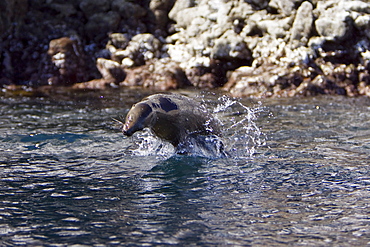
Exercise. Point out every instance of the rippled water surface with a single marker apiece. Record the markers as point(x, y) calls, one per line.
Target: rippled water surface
point(68, 176)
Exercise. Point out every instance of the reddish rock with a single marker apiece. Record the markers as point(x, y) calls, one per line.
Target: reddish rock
point(160, 75)
point(94, 84)
point(110, 70)
point(69, 61)
point(212, 76)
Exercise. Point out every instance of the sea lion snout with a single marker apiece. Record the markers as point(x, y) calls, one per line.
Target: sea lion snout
point(137, 119)
point(126, 130)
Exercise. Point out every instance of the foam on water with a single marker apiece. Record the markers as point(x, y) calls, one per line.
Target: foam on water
point(240, 134)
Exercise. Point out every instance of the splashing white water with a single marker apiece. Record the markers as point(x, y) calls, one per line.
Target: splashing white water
point(241, 135)
point(240, 138)
point(149, 144)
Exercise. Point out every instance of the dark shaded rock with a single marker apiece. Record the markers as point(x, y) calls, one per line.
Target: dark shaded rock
point(64, 9)
point(91, 7)
point(100, 24)
point(258, 4)
point(12, 14)
point(128, 9)
point(211, 76)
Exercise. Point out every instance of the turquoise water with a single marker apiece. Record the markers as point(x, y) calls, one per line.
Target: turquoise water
point(298, 175)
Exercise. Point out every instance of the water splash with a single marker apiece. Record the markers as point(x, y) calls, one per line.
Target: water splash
point(146, 144)
point(240, 134)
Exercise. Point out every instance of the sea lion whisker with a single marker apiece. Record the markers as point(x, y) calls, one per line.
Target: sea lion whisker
point(118, 121)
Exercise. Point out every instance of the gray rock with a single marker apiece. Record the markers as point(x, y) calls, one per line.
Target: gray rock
point(241, 11)
point(198, 25)
point(141, 48)
point(161, 9)
point(185, 17)
point(362, 23)
point(285, 7)
point(230, 46)
point(273, 37)
point(334, 25)
point(178, 6)
point(335, 19)
point(277, 28)
point(357, 6)
point(118, 40)
point(302, 26)
point(110, 70)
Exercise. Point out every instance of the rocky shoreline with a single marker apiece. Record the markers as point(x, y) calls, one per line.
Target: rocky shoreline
point(250, 48)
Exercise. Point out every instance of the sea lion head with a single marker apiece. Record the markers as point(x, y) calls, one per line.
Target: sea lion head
point(139, 117)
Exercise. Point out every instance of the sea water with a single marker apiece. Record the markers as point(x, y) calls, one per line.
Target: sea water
point(299, 175)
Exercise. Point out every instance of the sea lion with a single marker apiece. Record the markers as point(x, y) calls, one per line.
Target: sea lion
point(171, 117)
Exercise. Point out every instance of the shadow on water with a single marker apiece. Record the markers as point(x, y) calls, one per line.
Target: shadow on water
point(171, 198)
point(179, 166)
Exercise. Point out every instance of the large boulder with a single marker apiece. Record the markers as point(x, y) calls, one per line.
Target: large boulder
point(302, 26)
point(159, 74)
point(140, 49)
point(69, 60)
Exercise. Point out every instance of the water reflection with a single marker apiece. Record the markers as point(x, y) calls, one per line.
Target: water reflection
point(66, 178)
